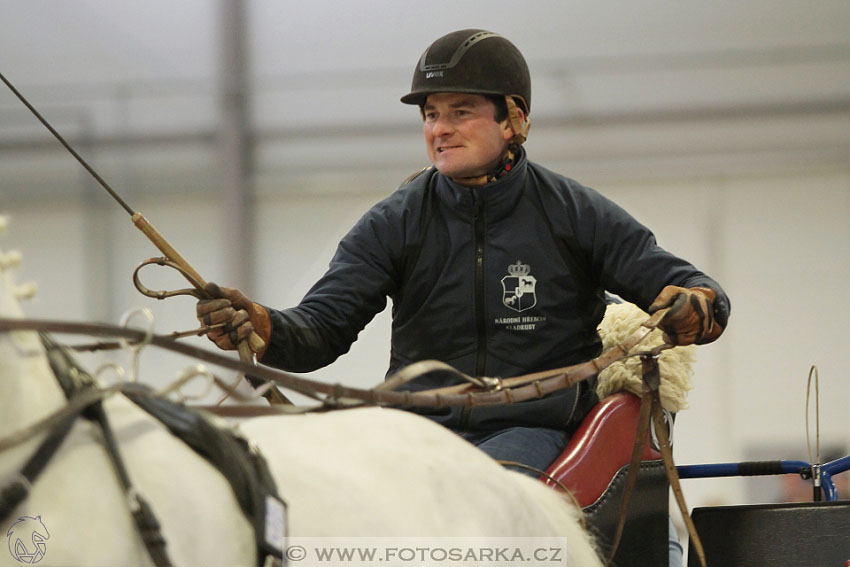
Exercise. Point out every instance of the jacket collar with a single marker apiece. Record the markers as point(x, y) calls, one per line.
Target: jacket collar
point(497, 198)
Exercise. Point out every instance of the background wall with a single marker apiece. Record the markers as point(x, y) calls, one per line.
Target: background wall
point(724, 127)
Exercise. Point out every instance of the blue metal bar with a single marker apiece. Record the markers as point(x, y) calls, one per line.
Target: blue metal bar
point(838, 465)
point(827, 486)
point(764, 468)
point(756, 468)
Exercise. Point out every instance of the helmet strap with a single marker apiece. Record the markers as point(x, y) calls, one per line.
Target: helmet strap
point(520, 128)
point(502, 169)
point(504, 166)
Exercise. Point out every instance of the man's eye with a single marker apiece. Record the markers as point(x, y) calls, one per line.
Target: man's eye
point(430, 116)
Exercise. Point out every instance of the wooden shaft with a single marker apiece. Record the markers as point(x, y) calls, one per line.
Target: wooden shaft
point(165, 247)
point(246, 348)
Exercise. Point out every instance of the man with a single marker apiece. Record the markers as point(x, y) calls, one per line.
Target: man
point(495, 265)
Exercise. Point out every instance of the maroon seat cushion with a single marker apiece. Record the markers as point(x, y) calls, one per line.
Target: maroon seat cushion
point(594, 466)
point(600, 447)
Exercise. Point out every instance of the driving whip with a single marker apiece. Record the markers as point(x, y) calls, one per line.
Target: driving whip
point(255, 343)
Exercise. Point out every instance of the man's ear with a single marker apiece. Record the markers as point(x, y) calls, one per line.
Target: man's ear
point(521, 114)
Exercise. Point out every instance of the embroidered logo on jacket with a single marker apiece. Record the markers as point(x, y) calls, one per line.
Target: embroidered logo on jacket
point(518, 287)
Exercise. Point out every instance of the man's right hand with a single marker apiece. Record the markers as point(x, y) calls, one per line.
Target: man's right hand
point(243, 319)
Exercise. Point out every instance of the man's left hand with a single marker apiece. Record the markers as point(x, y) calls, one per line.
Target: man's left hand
point(691, 316)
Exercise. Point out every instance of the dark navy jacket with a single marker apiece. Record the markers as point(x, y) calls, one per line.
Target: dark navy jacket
point(500, 280)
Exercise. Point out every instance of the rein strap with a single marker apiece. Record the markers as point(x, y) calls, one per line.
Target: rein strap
point(651, 412)
point(475, 392)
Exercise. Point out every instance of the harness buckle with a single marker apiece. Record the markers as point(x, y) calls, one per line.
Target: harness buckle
point(492, 384)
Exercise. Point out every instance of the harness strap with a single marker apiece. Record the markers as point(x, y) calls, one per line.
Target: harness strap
point(17, 491)
point(651, 411)
point(511, 390)
point(74, 407)
point(233, 456)
point(236, 458)
point(82, 401)
point(143, 515)
point(634, 466)
point(74, 383)
point(673, 475)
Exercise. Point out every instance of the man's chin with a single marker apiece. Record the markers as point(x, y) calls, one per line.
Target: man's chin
point(456, 172)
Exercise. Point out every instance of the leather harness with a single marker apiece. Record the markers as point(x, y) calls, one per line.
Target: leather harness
point(474, 391)
point(651, 411)
point(236, 458)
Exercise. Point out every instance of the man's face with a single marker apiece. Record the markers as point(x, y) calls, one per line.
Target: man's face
point(461, 135)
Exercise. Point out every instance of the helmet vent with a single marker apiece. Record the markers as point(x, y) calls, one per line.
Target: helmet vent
point(457, 55)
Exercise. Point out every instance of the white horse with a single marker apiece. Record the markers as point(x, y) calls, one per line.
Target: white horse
point(370, 472)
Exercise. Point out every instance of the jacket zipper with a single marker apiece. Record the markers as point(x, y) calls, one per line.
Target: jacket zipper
point(479, 224)
point(579, 387)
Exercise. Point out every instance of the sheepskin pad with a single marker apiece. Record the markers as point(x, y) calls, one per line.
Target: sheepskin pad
point(621, 320)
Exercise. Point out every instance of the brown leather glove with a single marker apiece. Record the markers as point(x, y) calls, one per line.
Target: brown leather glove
point(691, 317)
point(243, 319)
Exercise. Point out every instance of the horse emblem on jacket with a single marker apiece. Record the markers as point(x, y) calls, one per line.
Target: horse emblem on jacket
point(27, 539)
point(518, 287)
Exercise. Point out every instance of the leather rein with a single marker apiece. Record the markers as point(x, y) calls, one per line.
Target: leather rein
point(238, 460)
point(473, 392)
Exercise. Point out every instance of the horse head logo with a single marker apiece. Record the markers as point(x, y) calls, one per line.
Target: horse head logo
point(27, 539)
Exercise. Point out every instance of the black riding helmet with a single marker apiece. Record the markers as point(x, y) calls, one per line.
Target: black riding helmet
point(471, 61)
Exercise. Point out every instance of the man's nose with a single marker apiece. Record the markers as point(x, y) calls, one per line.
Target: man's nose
point(441, 126)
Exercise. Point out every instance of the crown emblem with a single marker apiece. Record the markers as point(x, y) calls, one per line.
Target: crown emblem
point(519, 269)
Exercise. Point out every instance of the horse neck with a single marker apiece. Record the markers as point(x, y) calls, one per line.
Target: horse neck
point(28, 389)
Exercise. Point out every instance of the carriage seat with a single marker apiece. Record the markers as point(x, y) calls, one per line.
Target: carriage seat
point(593, 466)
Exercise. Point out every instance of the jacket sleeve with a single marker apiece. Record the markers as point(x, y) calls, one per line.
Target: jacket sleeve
point(623, 255)
point(326, 322)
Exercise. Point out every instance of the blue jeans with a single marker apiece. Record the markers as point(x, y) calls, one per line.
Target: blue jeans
point(533, 446)
point(674, 546)
point(538, 447)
